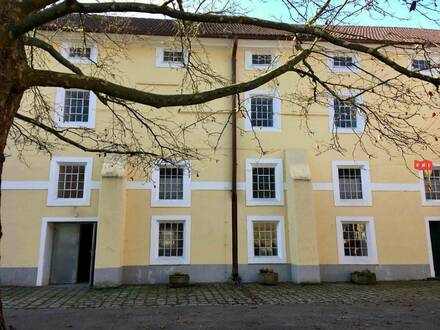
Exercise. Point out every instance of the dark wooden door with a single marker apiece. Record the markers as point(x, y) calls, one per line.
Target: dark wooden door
point(434, 228)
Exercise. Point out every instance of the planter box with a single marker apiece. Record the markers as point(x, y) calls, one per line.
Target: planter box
point(363, 277)
point(269, 278)
point(178, 280)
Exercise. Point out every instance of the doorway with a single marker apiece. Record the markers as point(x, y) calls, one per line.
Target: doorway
point(72, 249)
point(434, 233)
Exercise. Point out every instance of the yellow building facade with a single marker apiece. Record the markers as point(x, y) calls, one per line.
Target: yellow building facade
point(77, 217)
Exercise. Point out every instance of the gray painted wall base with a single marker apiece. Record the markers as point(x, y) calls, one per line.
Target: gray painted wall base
point(107, 277)
point(305, 274)
point(20, 276)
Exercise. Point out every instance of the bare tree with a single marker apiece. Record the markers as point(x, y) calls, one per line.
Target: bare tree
point(395, 123)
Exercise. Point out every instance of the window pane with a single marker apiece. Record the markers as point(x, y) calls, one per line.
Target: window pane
point(170, 183)
point(170, 239)
point(343, 61)
point(76, 106)
point(80, 52)
point(71, 181)
point(420, 65)
point(173, 56)
point(265, 238)
point(262, 111)
point(355, 239)
point(432, 185)
point(350, 183)
point(263, 182)
point(345, 114)
point(261, 59)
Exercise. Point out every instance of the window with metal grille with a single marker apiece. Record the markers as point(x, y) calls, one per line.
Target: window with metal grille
point(170, 239)
point(76, 106)
point(432, 185)
point(263, 182)
point(81, 52)
point(355, 239)
point(343, 61)
point(71, 181)
point(265, 239)
point(350, 183)
point(173, 56)
point(262, 111)
point(261, 59)
point(170, 183)
point(420, 65)
point(345, 114)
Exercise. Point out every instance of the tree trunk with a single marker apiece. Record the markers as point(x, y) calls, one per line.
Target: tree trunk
point(12, 64)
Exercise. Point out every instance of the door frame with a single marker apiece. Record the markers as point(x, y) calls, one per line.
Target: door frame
point(45, 250)
point(428, 239)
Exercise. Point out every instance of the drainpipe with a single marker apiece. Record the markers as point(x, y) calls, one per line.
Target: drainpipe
point(235, 276)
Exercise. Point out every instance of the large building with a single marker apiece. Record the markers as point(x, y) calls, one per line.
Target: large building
point(77, 217)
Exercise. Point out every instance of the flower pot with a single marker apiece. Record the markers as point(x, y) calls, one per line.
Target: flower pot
point(178, 280)
point(269, 278)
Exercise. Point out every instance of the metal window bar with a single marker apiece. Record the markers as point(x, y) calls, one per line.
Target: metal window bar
point(263, 182)
point(173, 56)
point(432, 186)
point(71, 181)
point(350, 183)
point(76, 106)
point(355, 239)
point(81, 52)
point(421, 65)
point(261, 111)
point(261, 59)
point(171, 183)
point(265, 239)
point(170, 239)
point(345, 114)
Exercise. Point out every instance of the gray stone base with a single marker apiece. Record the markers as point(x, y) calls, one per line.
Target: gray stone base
point(341, 273)
point(18, 276)
point(305, 274)
point(107, 277)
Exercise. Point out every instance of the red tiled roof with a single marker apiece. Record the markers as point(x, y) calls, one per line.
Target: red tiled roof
point(167, 27)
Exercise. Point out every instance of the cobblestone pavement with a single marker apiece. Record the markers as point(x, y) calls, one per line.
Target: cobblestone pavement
point(65, 297)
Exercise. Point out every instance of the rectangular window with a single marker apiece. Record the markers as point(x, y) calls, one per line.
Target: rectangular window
point(420, 65)
point(345, 114)
point(76, 106)
point(265, 239)
point(173, 56)
point(350, 183)
point(171, 183)
point(263, 182)
point(71, 181)
point(80, 52)
point(343, 61)
point(261, 59)
point(262, 111)
point(432, 186)
point(170, 239)
point(355, 239)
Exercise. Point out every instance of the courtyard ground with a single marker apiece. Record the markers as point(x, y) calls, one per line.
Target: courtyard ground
point(385, 305)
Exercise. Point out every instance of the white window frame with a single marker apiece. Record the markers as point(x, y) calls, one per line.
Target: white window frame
point(281, 257)
point(371, 259)
point(261, 51)
point(433, 60)
point(154, 241)
point(365, 178)
point(360, 118)
point(279, 186)
point(186, 201)
point(427, 202)
point(160, 63)
point(345, 69)
point(276, 111)
point(80, 60)
point(52, 199)
point(59, 111)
